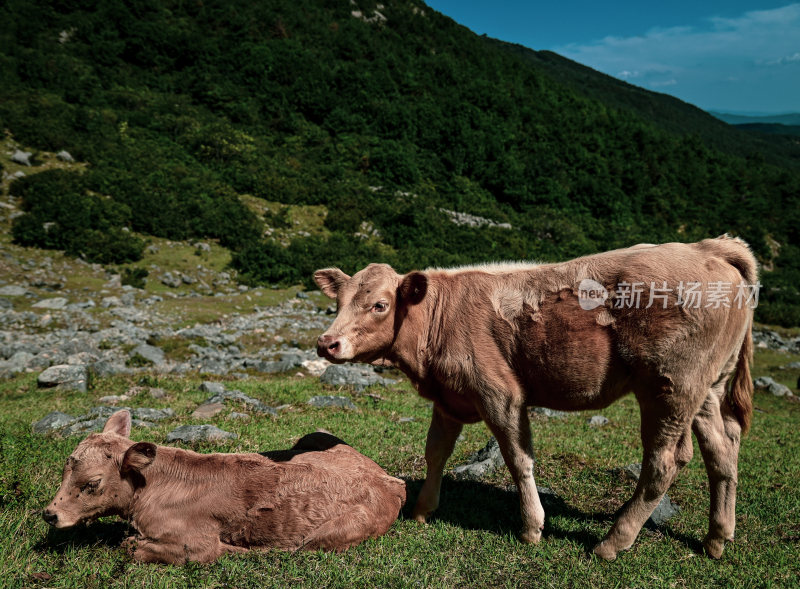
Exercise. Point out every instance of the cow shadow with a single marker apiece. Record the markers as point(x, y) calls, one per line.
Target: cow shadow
point(476, 505)
point(99, 533)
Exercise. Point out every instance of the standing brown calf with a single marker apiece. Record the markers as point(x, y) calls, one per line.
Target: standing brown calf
point(188, 506)
point(486, 342)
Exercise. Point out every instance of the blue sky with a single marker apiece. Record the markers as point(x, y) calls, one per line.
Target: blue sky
point(732, 56)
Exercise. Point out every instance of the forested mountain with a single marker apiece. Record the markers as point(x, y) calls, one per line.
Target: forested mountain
point(390, 115)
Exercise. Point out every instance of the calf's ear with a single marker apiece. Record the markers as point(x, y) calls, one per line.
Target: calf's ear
point(413, 288)
point(330, 280)
point(119, 423)
point(138, 456)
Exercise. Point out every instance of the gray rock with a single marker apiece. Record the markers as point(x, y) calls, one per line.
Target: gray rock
point(665, 510)
point(157, 393)
point(358, 377)
point(6, 304)
point(53, 421)
point(18, 362)
point(172, 281)
point(767, 384)
point(274, 367)
point(13, 290)
point(53, 304)
point(215, 388)
point(545, 412)
point(65, 156)
point(113, 399)
point(199, 433)
point(597, 420)
point(483, 462)
point(331, 401)
point(791, 366)
point(105, 368)
point(64, 376)
point(208, 410)
point(240, 416)
point(254, 404)
point(149, 353)
point(22, 157)
point(149, 414)
point(203, 247)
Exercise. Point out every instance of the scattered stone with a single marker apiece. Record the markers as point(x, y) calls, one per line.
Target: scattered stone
point(301, 295)
point(113, 399)
point(157, 393)
point(484, 461)
point(791, 366)
point(358, 377)
point(203, 247)
point(665, 510)
point(17, 363)
point(215, 388)
point(105, 368)
point(65, 156)
point(52, 304)
point(597, 421)
point(53, 421)
point(22, 157)
point(149, 414)
point(13, 290)
point(150, 354)
point(254, 404)
point(199, 433)
point(767, 384)
point(6, 304)
point(545, 412)
point(331, 401)
point(316, 367)
point(64, 376)
point(208, 410)
point(406, 420)
point(170, 280)
point(239, 416)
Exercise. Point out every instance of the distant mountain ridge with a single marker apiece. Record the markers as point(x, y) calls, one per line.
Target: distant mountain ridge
point(738, 119)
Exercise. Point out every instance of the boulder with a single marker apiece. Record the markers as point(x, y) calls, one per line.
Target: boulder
point(597, 421)
point(151, 354)
point(13, 290)
point(53, 304)
point(357, 376)
point(208, 410)
point(767, 384)
point(53, 421)
point(545, 412)
point(64, 376)
point(21, 157)
point(483, 462)
point(331, 401)
point(199, 433)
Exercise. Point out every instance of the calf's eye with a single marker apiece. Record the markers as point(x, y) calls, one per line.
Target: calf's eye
point(379, 307)
point(90, 487)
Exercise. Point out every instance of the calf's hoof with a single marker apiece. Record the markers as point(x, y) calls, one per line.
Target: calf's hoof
point(605, 551)
point(714, 547)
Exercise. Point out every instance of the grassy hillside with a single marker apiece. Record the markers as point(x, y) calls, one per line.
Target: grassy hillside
point(383, 118)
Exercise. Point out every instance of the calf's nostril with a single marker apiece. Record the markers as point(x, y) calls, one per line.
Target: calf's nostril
point(333, 346)
point(50, 517)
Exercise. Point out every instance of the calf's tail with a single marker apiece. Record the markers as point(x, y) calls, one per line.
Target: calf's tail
point(740, 394)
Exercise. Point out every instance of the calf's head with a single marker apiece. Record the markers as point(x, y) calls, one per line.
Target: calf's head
point(101, 475)
point(370, 307)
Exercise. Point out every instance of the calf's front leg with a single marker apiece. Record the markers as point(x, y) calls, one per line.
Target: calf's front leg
point(442, 436)
point(144, 549)
point(510, 425)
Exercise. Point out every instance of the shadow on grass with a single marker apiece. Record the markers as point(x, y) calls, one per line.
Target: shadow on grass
point(475, 505)
point(99, 533)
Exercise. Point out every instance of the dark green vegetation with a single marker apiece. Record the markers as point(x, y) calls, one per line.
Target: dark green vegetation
point(471, 541)
point(180, 108)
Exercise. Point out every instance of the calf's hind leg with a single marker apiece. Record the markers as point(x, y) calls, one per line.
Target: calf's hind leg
point(718, 435)
point(666, 437)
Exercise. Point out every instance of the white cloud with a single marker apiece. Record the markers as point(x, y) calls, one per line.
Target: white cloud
point(712, 63)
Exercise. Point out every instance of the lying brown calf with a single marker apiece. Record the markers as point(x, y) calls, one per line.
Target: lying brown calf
point(321, 494)
point(669, 323)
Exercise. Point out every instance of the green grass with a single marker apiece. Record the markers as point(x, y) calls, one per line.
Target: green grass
point(471, 541)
